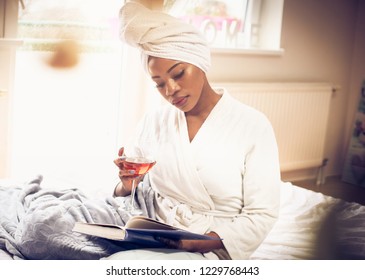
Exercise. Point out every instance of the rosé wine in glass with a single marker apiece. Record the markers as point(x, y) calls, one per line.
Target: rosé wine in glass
point(138, 162)
point(139, 165)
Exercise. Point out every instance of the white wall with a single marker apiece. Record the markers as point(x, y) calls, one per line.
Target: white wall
point(4, 107)
point(7, 55)
point(318, 39)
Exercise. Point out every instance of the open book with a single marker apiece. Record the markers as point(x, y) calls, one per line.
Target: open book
point(139, 230)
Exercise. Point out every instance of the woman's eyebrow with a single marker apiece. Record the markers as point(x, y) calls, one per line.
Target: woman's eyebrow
point(173, 66)
point(169, 70)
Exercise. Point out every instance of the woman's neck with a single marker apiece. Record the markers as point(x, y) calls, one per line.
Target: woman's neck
point(208, 99)
point(196, 117)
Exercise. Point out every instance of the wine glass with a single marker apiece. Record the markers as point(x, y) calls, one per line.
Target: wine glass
point(137, 161)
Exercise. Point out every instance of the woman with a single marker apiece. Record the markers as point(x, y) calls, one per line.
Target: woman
point(217, 169)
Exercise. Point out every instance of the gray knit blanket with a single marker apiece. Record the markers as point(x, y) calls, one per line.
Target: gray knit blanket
point(37, 223)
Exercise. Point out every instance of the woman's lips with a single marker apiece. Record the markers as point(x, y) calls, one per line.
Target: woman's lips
point(179, 101)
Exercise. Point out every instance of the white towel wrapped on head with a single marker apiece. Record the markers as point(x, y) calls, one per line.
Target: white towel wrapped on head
point(161, 35)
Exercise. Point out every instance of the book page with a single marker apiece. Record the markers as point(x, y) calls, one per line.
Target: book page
point(147, 223)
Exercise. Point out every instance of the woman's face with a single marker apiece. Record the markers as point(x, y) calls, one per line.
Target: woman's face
point(180, 83)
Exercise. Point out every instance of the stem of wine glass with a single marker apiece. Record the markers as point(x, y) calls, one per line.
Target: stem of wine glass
point(133, 194)
point(133, 209)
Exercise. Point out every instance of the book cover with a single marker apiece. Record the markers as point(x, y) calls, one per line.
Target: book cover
point(139, 230)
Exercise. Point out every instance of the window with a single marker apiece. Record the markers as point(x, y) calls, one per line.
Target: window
point(234, 24)
point(65, 117)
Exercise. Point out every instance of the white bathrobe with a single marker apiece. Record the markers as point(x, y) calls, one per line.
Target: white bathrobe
point(225, 180)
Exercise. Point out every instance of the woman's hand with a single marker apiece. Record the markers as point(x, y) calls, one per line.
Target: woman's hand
point(126, 177)
point(201, 246)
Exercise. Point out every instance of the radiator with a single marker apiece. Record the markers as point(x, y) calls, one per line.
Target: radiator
point(298, 113)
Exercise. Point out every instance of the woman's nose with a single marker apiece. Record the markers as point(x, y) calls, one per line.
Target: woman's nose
point(171, 87)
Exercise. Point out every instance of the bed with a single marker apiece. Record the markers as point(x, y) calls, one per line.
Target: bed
point(36, 223)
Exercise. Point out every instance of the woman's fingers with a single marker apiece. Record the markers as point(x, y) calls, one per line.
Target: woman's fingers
point(119, 161)
point(121, 152)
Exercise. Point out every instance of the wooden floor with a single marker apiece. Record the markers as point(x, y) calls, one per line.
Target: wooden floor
point(335, 187)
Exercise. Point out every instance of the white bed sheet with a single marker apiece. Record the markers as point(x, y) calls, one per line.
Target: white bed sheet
point(310, 223)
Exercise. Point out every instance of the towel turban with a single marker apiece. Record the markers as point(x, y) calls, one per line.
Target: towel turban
point(161, 35)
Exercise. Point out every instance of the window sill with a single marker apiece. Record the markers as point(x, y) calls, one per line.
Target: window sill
point(254, 52)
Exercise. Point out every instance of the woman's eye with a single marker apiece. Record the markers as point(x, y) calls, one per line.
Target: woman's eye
point(160, 85)
point(179, 75)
